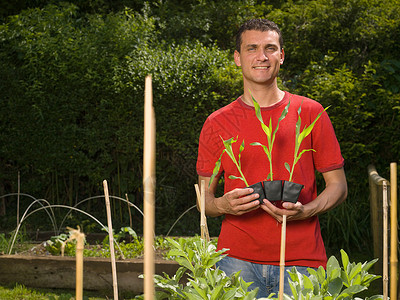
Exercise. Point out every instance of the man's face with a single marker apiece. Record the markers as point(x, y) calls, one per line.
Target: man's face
point(260, 57)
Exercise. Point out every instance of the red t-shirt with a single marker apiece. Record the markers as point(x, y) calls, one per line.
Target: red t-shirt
point(255, 236)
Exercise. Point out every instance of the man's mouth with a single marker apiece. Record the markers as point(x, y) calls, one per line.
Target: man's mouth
point(261, 68)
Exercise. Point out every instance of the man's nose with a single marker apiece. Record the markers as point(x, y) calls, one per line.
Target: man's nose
point(262, 55)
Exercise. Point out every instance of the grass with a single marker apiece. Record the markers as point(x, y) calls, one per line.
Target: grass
point(20, 292)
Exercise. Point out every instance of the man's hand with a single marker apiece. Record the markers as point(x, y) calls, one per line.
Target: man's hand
point(293, 211)
point(237, 202)
point(335, 192)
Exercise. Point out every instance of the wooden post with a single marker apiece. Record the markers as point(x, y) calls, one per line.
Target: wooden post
point(282, 259)
point(111, 241)
point(376, 210)
point(148, 189)
point(393, 231)
point(385, 242)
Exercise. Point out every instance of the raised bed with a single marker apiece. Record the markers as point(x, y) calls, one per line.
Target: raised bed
point(59, 272)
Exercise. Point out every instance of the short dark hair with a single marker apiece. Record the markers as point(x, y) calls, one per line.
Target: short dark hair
point(259, 25)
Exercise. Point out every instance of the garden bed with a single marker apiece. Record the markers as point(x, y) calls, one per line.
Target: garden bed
point(33, 266)
point(59, 272)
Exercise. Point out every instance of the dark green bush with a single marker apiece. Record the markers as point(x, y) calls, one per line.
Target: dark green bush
point(71, 88)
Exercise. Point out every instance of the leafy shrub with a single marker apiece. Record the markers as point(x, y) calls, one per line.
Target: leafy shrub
point(197, 258)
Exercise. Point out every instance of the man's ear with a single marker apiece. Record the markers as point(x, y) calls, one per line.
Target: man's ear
point(282, 56)
point(236, 56)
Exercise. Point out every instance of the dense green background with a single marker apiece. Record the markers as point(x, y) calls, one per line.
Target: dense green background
point(71, 90)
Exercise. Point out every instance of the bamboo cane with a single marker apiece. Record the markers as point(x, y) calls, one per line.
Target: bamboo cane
point(385, 277)
point(148, 189)
point(79, 265)
point(129, 211)
point(19, 191)
point(201, 202)
point(393, 231)
point(282, 258)
point(80, 241)
point(111, 240)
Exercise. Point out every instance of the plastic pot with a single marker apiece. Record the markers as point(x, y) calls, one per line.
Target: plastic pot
point(291, 191)
point(273, 190)
point(258, 188)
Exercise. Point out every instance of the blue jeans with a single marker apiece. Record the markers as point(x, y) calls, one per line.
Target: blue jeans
point(265, 277)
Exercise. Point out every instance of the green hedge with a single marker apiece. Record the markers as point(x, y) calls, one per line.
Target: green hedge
point(72, 81)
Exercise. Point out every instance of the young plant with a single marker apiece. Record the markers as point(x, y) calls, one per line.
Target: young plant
point(300, 136)
point(335, 283)
point(197, 258)
point(228, 149)
point(269, 132)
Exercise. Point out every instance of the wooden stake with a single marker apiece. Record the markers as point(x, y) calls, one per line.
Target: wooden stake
point(111, 241)
point(282, 258)
point(393, 231)
point(19, 191)
point(385, 276)
point(80, 241)
point(148, 189)
point(129, 211)
point(201, 202)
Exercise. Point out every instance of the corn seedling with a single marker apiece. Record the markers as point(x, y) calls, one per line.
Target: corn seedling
point(228, 149)
point(300, 136)
point(269, 132)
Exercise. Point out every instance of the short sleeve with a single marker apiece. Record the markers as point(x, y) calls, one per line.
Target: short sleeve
point(209, 150)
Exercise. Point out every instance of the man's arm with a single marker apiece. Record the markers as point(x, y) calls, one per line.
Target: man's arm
point(335, 192)
point(235, 202)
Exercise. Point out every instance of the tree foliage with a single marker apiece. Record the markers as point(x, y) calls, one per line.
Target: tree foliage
point(72, 77)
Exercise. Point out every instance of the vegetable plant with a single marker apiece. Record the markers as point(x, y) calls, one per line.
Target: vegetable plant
point(335, 282)
point(300, 136)
point(197, 258)
point(269, 132)
point(228, 149)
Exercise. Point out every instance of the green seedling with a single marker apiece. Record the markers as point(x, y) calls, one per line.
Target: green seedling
point(300, 136)
point(228, 150)
point(269, 132)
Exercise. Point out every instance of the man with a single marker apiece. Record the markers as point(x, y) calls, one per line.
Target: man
point(249, 230)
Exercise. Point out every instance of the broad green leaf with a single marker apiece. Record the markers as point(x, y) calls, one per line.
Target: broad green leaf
point(307, 283)
point(368, 265)
point(184, 262)
point(350, 291)
point(335, 286)
point(332, 265)
point(216, 293)
point(355, 271)
point(345, 260)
